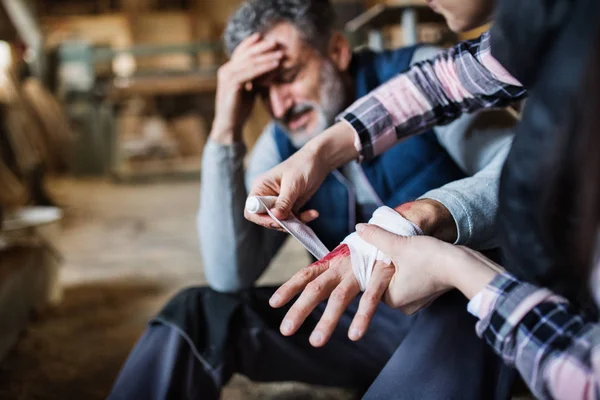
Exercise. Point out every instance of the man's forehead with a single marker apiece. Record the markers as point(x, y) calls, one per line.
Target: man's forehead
point(290, 41)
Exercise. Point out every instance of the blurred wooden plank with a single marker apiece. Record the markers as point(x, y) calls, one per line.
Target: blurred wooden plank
point(164, 28)
point(12, 191)
point(110, 30)
point(55, 127)
point(29, 282)
point(187, 168)
point(7, 29)
point(153, 85)
point(388, 14)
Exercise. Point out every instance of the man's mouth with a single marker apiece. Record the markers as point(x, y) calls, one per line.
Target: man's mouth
point(299, 120)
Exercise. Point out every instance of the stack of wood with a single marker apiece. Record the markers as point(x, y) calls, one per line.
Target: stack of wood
point(34, 137)
point(149, 142)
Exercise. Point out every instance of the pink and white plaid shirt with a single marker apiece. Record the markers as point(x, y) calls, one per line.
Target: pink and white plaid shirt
point(552, 345)
point(463, 79)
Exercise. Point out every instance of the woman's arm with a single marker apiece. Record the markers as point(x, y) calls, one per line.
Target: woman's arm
point(556, 350)
point(551, 344)
point(463, 79)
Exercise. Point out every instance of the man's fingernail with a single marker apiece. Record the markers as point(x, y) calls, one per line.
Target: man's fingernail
point(287, 326)
point(275, 300)
point(274, 226)
point(354, 334)
point(360, 227)
point(316, 337)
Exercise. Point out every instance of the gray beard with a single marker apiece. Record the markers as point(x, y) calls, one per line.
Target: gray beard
point(331, 104)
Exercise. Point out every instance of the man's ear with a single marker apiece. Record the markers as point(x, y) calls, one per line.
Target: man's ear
point(339, 51)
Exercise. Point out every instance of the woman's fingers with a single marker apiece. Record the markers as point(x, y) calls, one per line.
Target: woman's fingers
point(338, 302)
point(385, 241)
point(378, 284)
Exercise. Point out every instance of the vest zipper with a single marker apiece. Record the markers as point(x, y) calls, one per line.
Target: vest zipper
point(371, 188)
point(351, 199)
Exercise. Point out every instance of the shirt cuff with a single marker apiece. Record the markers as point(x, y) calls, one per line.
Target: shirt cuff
point(357, 143)
point(506, 301)
point(474, 305)
point(373, 124)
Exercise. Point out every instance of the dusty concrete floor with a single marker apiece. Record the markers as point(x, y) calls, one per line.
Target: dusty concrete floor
point(127, 250)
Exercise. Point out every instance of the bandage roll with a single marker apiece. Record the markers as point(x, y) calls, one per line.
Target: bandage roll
point(260, 205)
point(301, 232)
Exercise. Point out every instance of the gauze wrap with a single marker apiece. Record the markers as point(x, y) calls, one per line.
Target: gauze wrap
point(362, 255)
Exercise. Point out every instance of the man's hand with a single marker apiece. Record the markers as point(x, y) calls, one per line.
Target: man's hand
point(333, 278)
point(432, 217)
point(252, 58)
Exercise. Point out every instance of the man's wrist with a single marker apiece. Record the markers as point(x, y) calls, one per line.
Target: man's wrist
point(225, 134)
point(432, 217)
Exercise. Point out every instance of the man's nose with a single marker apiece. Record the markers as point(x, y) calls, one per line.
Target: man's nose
point(280, 101)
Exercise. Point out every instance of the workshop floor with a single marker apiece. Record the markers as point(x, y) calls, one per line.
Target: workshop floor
point(128, 249)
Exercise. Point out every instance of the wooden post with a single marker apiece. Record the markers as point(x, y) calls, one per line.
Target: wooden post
point(21, 14)
point(409, 26)
point(376, 40)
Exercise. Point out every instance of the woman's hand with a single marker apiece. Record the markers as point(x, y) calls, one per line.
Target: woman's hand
point(295, 180)
point(426, 267)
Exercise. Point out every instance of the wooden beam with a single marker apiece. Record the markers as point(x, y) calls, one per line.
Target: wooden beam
point(156, 85)
point(22, 17)
point(381, 15)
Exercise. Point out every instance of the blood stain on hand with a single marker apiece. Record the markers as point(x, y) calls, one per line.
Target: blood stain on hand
point(339, 252)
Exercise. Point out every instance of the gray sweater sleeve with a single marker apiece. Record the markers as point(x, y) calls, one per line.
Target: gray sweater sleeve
point(479, 143)
point(235, 251)
point(480, 147)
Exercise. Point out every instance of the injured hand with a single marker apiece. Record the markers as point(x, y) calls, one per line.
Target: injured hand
point(362, 254)
point(339, 276)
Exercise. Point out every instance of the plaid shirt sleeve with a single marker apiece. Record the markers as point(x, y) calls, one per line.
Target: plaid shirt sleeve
point(465, 78)
point(554, 348)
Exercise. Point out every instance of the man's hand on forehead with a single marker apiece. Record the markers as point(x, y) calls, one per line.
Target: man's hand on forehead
point(253, 58)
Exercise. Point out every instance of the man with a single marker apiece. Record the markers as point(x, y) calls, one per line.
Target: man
point(286, 53)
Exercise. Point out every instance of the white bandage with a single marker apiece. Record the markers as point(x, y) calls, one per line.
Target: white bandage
point(364, 255)
point(300, 231)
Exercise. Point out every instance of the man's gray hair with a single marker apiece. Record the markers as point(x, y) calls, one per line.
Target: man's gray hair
point(315, 19)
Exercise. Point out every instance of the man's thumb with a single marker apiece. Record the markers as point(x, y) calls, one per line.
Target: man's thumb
point(380, 238)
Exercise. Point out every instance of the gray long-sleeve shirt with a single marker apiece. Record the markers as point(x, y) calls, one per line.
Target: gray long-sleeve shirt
point(236, 252)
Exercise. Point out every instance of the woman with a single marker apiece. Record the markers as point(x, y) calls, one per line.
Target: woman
point(552, 343)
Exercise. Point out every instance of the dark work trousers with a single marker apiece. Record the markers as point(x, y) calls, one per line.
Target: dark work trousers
point(202, 337)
